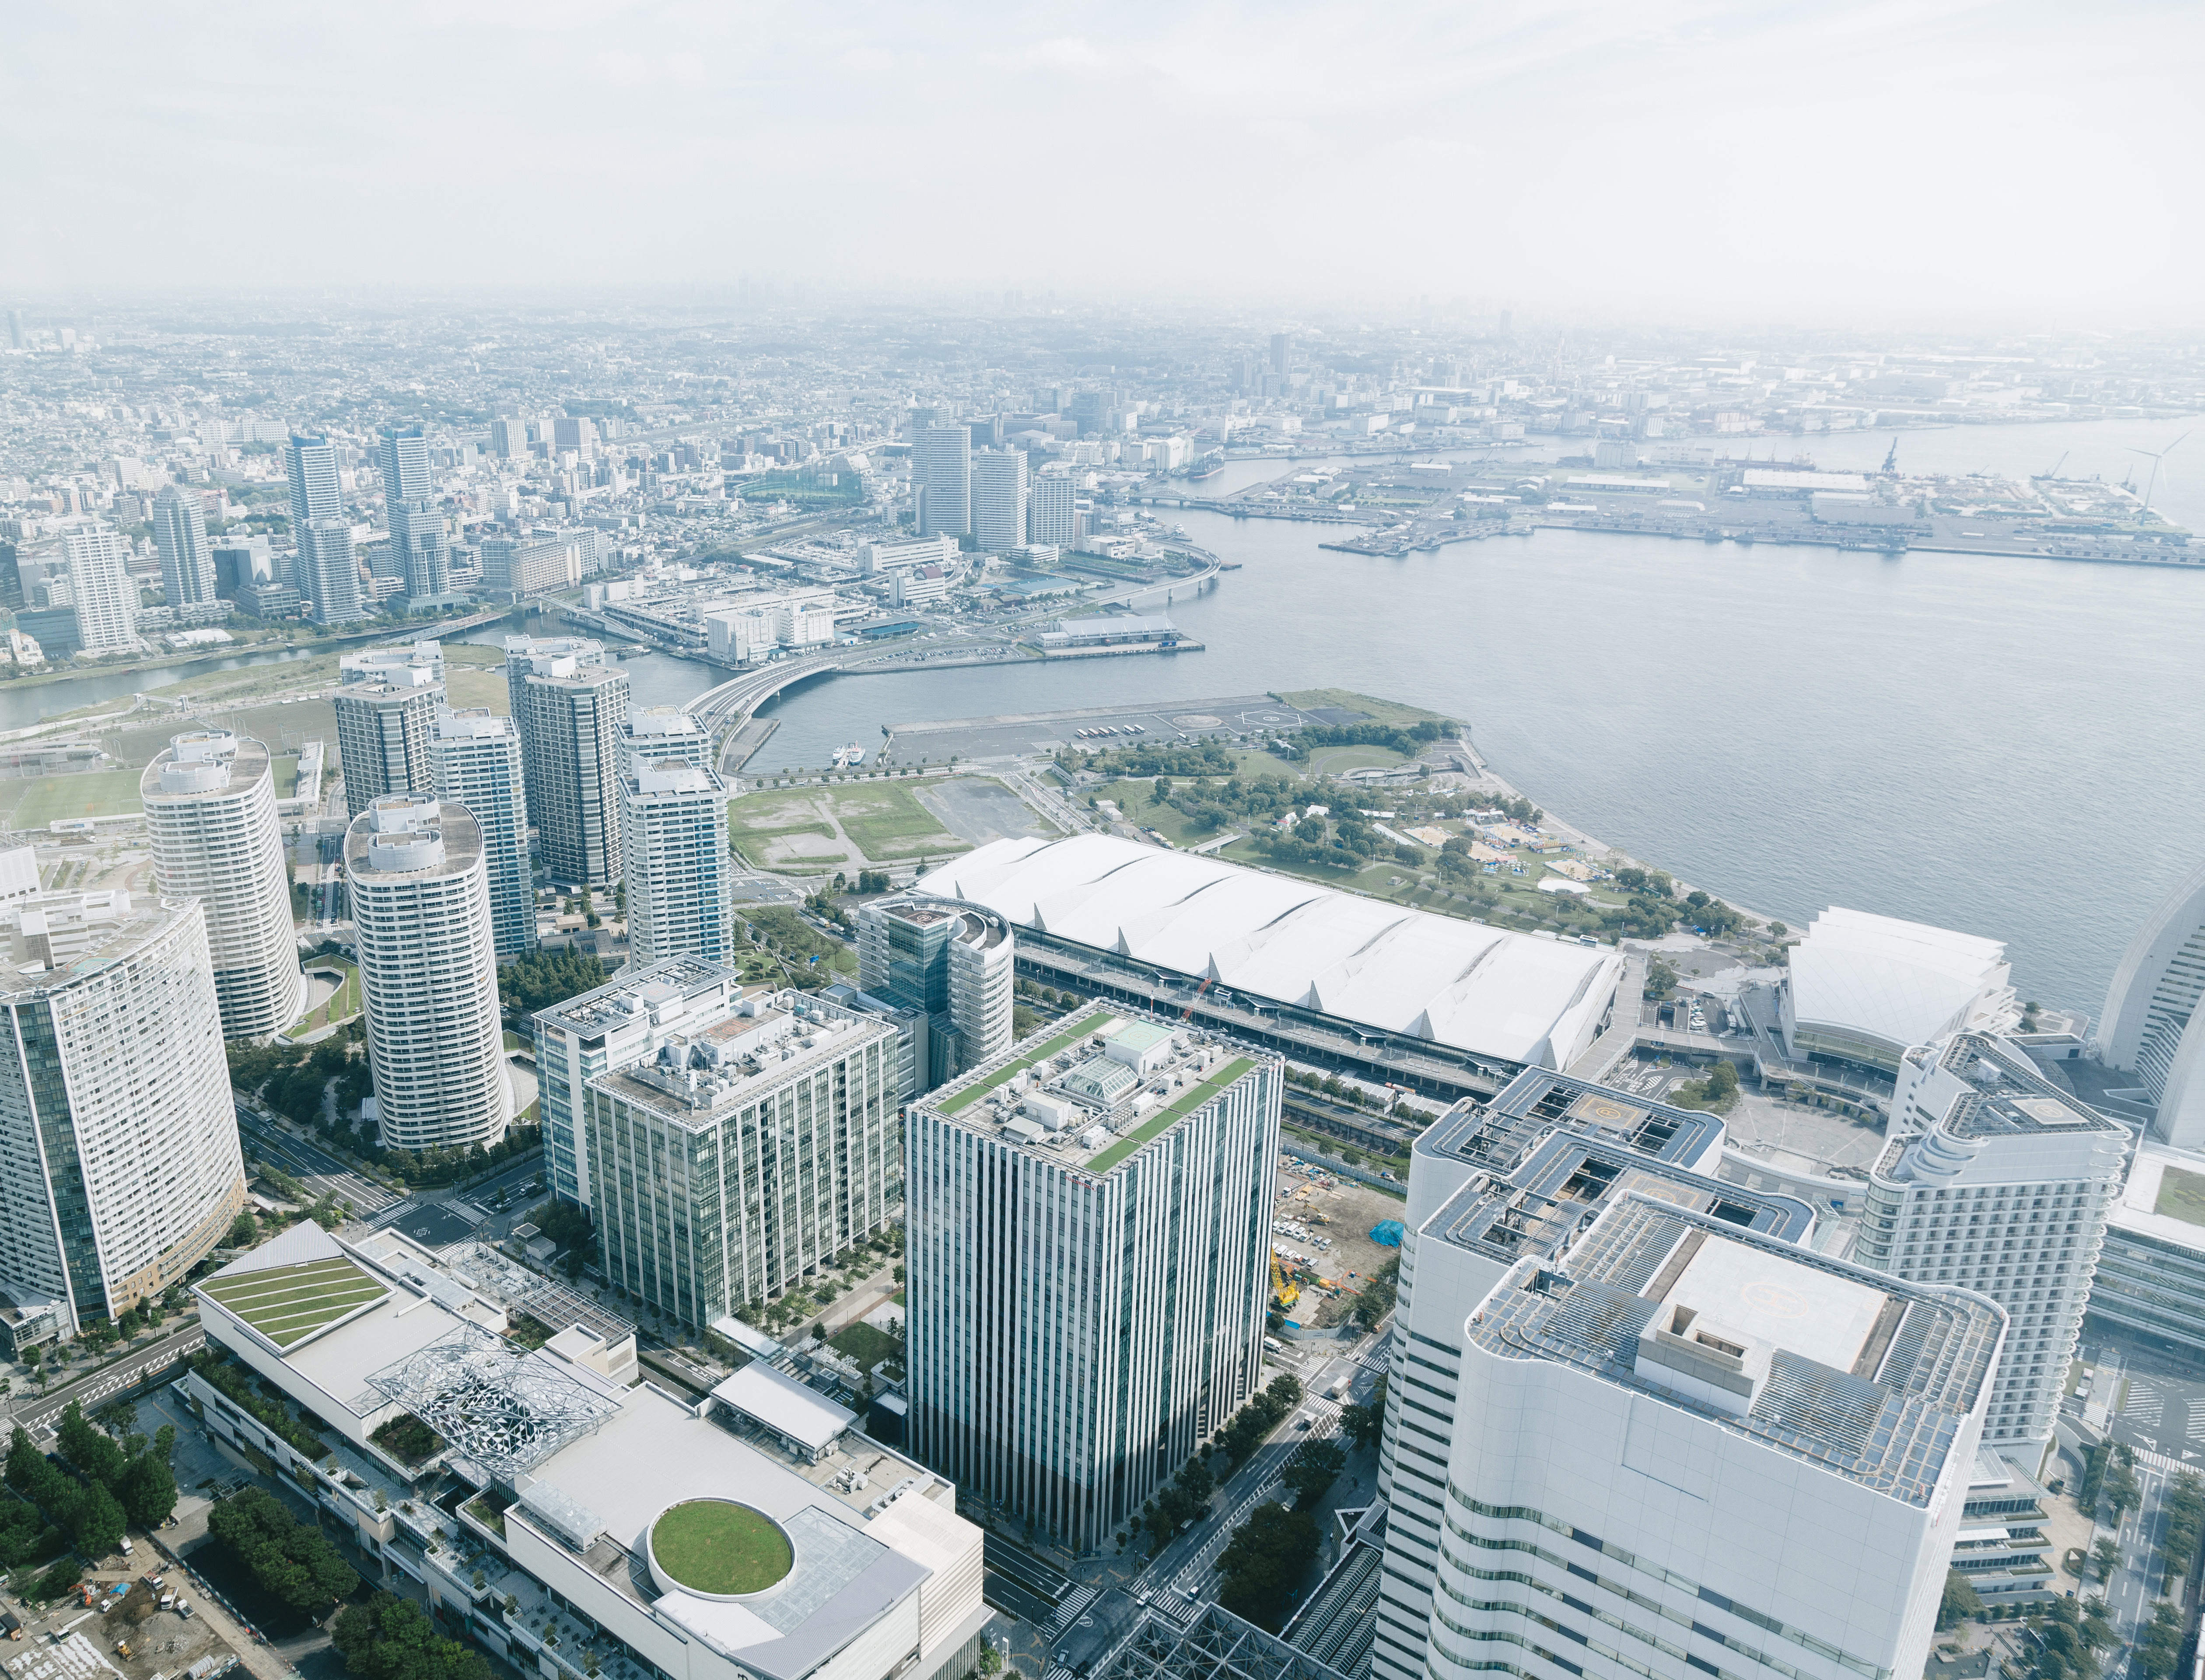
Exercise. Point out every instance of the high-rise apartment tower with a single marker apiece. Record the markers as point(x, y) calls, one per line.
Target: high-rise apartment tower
point(180, 534)
point(428, 974)
point(123, 1170)
point(474, 761)
point(209, 805)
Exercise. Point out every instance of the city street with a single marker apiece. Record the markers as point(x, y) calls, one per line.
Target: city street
point(310, 1164)
point(36, 1412)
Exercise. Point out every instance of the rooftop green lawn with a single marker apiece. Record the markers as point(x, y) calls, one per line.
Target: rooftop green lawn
point(1156, 1125)
point(2181, 1195)
point(1010, 1070)
point(715, 1545)
point(288, 1303)
point(866, 1344)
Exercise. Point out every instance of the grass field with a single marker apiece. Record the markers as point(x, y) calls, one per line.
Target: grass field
point(465, 687)
point(287, 1304)
point(32, 802)
point(1330, 761)
point(1378, 711)
point(284, 771)
point(716, 1546)
point(1163, 1121)
point(867, 1345)
point(2181, 1196)
point(794, 828)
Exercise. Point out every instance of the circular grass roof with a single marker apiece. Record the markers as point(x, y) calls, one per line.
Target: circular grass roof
point(720, 1548)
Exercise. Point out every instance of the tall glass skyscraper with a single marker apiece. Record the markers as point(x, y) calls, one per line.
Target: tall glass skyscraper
point(187, 557)
point(941, 474)
point(327, 572)
point(420, 551)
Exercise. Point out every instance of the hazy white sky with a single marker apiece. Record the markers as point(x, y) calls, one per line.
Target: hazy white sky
point(1936, 159)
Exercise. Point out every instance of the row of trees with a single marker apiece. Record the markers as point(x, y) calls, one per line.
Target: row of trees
point(114, 1485)
point(1264, 1413)
point(290, 1561)
point(391, 1638)
point(538, 979)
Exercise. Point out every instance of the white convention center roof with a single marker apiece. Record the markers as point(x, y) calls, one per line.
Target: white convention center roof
point(1904, 982)
point(1373, 963)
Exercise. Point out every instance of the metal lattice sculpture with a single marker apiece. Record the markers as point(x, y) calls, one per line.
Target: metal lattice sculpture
point(504, 1409)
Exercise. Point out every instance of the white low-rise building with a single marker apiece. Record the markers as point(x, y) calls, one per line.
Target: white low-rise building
point(1864, 989)
point(619, 1533)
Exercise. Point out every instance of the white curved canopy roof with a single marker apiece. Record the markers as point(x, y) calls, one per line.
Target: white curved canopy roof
point(1377, 964)
point(1905, 982)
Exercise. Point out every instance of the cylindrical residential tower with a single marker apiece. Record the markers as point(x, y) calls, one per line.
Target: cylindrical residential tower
point(210, 814)
point(428, 973)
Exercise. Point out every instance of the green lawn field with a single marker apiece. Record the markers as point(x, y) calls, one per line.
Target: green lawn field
point(33, 802)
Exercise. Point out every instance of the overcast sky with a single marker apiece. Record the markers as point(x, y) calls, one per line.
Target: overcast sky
point(1928, 160)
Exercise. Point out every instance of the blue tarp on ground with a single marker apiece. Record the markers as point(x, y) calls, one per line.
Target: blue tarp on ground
point(1387, 1233)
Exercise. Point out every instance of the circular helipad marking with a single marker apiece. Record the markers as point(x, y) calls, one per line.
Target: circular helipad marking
point(1197, 721)
point(1774, 1299)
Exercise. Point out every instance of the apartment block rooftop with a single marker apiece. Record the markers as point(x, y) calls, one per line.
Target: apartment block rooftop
point(52, 939)
point(1498, 1135)
point(769, 1037)
point(663, 992)
point(1865, 1376)
point(1096, 1090)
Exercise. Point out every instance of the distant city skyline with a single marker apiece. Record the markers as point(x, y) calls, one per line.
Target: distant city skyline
point(1778, 161)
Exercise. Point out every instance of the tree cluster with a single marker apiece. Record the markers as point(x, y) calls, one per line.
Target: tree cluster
point(1264, 1413)
point(391, 1638)
point(233, 1381)
point(1263, 1563)
point(538, 979)
point(2185, 1521)
point(1717, 1091)
point(290, 1561)
point(1190, 758)
point(2157, 1653)
point(1181, 1503)
point(1311, 1468)
point(115, 1485)
point(25, 1536)
point(1364, 1421)
point(1375, 1298)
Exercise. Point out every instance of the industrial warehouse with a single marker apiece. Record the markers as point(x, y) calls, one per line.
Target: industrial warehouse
point(1446, 1005)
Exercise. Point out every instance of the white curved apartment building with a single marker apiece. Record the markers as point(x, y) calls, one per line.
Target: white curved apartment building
point(428, 973)
point(211, 815)
point(2152, 1026)
point(119, 1162)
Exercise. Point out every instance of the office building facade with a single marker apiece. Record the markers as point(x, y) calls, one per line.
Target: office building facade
point(954, 962)
point(383, 730)
point(101, 593)
point(941, 479)
point(123, 1170)
point(678, 872)
point(420, 543)
point(727, 1167)
point(428, 974)
point(571, 706)
point(2151, 1271)
point(180, 534)
point(620, 1022)
point(1088, 1244)
point(1054, 518)
point(2152, 1026)
point(328, 571)
point(474, 761)
point(210, 802)
point(1996, 1180)
point(999, 500)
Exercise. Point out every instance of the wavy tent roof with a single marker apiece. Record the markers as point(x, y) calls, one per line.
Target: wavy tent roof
point(1375, 964)
point(1905, 982)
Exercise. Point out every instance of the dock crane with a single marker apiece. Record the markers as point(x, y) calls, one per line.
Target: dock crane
point(1891, 457)
point(2056, 465)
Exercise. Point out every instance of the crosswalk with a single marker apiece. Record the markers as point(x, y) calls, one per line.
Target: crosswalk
point(1074, 1604)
